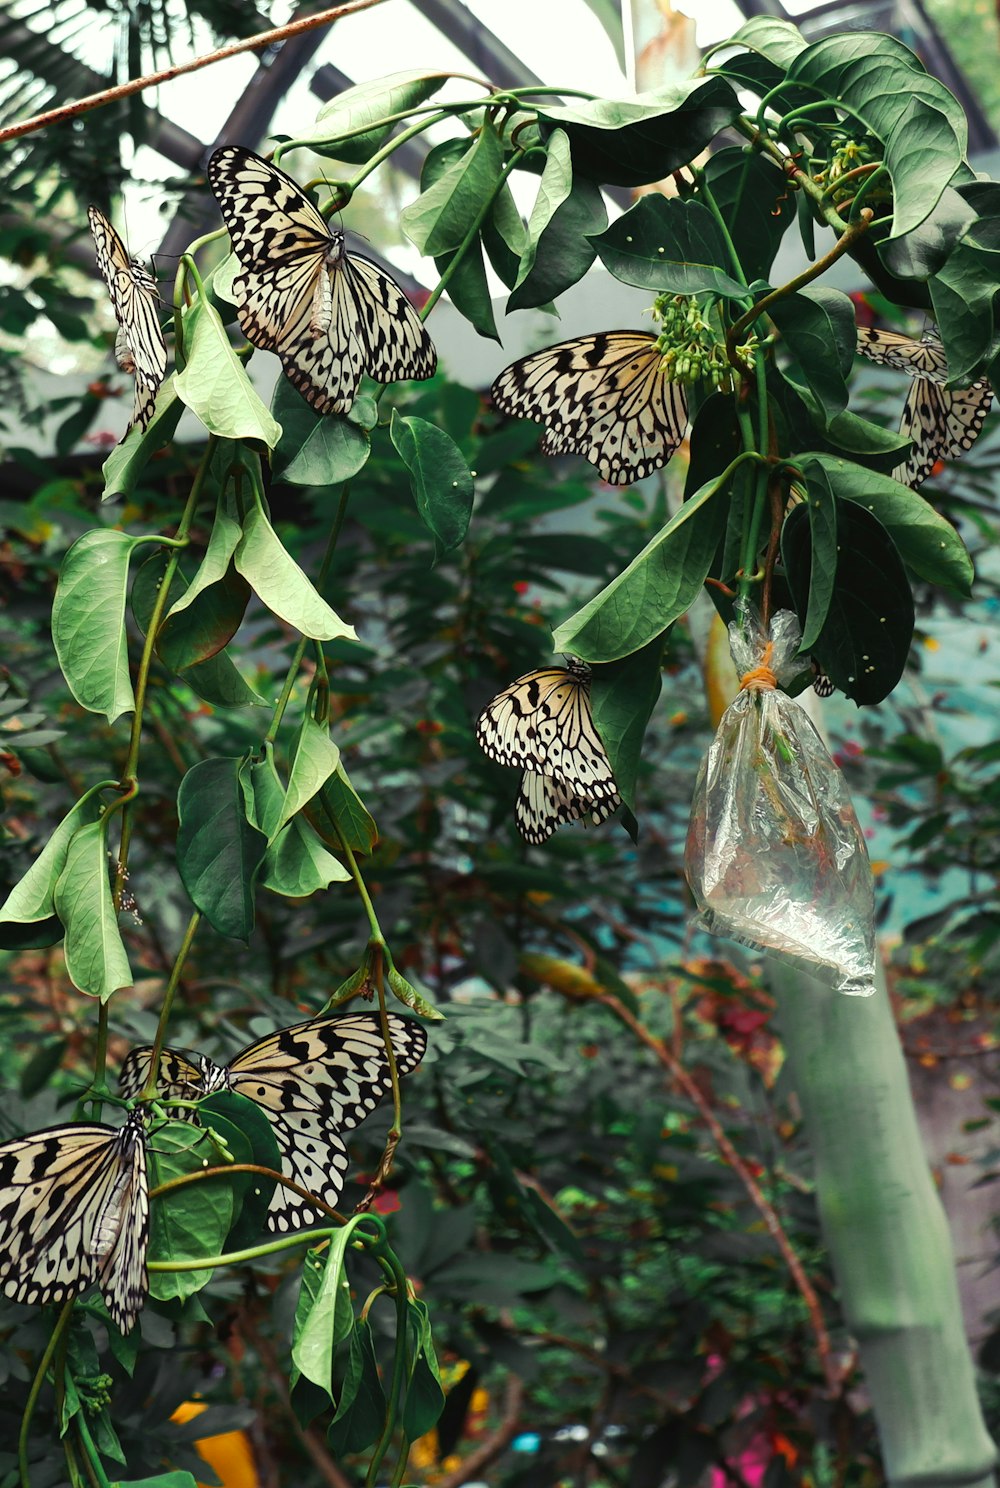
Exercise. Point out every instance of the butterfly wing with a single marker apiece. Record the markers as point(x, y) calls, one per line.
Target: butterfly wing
point(59, 1189)
point(543, 721)
point(396, 340)
point(543, 804)
point(134, 300)
point(178, 1077)
point(603, 396)
point(924, 358)
point(942, 425)
point(122, 1227)
point(313, 1081)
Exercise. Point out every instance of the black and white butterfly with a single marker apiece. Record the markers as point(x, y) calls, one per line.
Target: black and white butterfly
point(139, 347)
point(331, 316)
point(543, 723)
point(312, 1081)
point(823, 685)
point(604, 396)
point(941, 423)
point(74, 1212)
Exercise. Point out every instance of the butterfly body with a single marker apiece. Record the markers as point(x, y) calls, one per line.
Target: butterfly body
point(139, 346)
point(312, 1081)
point(331, 316)
point(74, 1212)
point(604, 396)
point(942, 423)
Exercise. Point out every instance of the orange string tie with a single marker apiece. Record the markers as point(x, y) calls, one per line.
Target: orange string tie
point(761, 678)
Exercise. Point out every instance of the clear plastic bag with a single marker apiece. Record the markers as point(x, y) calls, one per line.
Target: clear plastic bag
point(775, 856)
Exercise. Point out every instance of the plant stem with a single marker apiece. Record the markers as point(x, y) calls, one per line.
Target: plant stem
point(408, 134)
point(183, 1179)
point(62, 1322)
point(153, 79)
point(93, 1460)
point(390, 1260)
point(168, 999)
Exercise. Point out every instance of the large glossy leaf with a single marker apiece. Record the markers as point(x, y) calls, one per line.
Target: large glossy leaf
point(338, 806)
point(316, 449)
point(554, 186)
point(424, 1399)
point(297, 864)
point(468, 288)
point(752, 195)
point(187, 1222)
point(88, 622)
point(564, 250)
point(365, 104)
point(219, 852)
point(314, 759)
point(636, 140)
point(202, 630)
point(866, 637)
point(127, 461)
point(438, 221)
point(778, 40)
point(818, 327)
point(623, 695)
point(442, 484)
point(324, 1315)
point(280, 583)
point(658, 585)
point(214, 383)
point(32, 898)
point(361, 1408)
point(665, 244)
point(821, 504)
point(95, 956)
point(924, 539)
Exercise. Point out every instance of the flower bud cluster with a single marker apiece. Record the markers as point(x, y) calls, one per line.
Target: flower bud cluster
point(692, 345)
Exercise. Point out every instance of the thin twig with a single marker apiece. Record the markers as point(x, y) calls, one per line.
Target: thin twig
point(152, 79)
point(754, 1191)
point(489, 1450)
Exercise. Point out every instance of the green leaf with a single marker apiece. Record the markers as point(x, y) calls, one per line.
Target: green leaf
point(641, 139)
point(753, 197)
point(623, 695)
point(869, 625)
point(88, 622)
point(250, 1138)
point(659, 584)
point(367, 103)
point(32, 898)
point(214, 567)
point(219, 852)
point(214, 383)
point(361, 1408)
point(187, 1222)
point(162, 1480)
point(564, 251)
point(925, 540)
point(554, 188)
point(296, 863)
point(439, 219)
point(338, 805)
point(410, 997)
point(217, 679)
point(818, 327)
point(263, 792)
point(95, 956)
point(280, 583)
point(821, 503)
point(199, 632)
point(316, 449)
point(424, 1400)
point(127, 461)
point(504, 236)
point(962, 294)
point(921, 155)
point(314, 760)
point(665, 244)
point(468, 289)
point(324, 1315)
point(440, 479)
point(779, 41)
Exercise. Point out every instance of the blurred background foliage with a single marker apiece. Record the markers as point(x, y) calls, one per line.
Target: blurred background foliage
point(604, 1295)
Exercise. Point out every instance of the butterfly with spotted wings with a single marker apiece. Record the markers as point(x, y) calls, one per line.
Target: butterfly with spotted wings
point(543, 723)
point(604, 396)
point(139, 347)
point(330, 315)
point(312, 1081)
point(942, 423)
point(74, 1212)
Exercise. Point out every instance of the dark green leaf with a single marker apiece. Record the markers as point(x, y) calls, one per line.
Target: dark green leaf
point(219, 853)
point(665, 244)
point(250, 1137)
point(440, 479)
point(818, 327)
point(866, 638)
point(623, 695)
point(361, 1409)
point(338, 805)
point(424, 1400)
point(88, 622)
point(187, 1222)
point(752, 195)
point(437, 222)
point(778, 40)
point(324, 1315)
point(641, 139)
point(315, 449)
point(821, 505)
point(564, 251)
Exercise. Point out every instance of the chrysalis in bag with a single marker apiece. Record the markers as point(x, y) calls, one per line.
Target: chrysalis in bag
point(775, 856)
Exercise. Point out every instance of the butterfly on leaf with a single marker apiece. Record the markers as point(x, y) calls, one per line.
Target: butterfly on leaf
point(312, 1081)
point(139, 347)
point(941, 423)
point(604, 396)
point(543, 723)
point(330, 315)
point(74, 1212)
